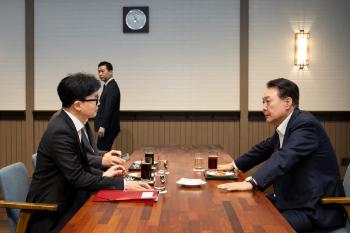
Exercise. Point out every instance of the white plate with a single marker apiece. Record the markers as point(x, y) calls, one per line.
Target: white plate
point(219, 173)
point(190, 182)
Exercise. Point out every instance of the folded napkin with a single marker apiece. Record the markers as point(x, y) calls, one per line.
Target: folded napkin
point(190, 182)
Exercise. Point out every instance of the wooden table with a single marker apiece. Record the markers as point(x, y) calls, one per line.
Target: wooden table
point(183, 209)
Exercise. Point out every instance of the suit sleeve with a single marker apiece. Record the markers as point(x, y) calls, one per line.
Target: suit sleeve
point(95, 161)
point(301, 143)
point(68, 158)
point(256, 155)
point(96, 171)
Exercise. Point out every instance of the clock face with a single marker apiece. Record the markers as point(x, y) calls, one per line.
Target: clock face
point(135, 19)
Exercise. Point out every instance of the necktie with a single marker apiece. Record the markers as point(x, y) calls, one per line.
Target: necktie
point(85, 140)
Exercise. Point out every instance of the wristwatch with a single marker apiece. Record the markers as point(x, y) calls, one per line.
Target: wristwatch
point(252, 181)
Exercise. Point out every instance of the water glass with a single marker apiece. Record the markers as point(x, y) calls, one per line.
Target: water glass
point(198, 162)
point(163, 165)
point(160, 181)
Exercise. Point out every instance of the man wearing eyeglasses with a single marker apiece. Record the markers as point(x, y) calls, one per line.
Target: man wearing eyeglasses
point(299, 161)
point(98, 159)
point(107, 120)
point(63, 174)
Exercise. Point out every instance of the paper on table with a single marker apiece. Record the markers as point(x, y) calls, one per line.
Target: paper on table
point(147, 195)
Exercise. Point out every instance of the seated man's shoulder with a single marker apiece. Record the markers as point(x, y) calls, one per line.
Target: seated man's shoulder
point(305, 120)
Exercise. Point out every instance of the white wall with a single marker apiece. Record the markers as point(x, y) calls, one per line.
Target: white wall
point(12, 55)
point(190, 58)
point(188, 61)
point(324, 86)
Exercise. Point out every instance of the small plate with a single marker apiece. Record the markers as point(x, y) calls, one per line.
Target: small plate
point(190, 182)
point(217, 173)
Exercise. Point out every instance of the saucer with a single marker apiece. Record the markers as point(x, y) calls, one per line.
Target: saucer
point(190, 182)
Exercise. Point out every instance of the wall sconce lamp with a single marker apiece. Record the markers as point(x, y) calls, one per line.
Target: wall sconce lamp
point(302, 49)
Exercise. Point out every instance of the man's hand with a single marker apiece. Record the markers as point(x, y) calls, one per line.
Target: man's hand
point(236, 186)
point(226, 167)
point(137, 185)
point(101, 132)
point(112, 158)
point(115, 171)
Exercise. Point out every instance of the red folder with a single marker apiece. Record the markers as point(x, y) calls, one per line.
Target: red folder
point(126, 195)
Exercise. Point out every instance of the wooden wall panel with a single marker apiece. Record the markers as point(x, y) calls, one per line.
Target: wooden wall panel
point(168, 128)
point(179, 129)
point(12, 138)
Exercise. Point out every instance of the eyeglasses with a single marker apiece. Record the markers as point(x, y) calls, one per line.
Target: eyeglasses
point(90, 100)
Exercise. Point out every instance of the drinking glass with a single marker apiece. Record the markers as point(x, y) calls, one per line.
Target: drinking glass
point(198, 162)
point(163, 165)
point(146, 171)
point(149, 154)
point(213, 159)
point(160, 181)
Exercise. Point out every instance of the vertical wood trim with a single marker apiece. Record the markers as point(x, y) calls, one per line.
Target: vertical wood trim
point(244, 46)
point(29, 64)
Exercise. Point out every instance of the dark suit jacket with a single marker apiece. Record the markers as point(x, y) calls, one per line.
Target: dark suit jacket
point(63, 176)
point(108, 113)
point(302, 171)
point(94, 155)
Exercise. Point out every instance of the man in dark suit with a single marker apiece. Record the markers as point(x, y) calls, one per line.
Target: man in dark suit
point(63, 174)
point(97, 159)
point(300, 162)
point(107, 120)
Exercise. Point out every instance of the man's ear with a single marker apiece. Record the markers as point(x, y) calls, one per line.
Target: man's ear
point(289, 102)
point(77, 105)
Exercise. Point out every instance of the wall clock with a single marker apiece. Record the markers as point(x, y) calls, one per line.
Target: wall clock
point(135, 19)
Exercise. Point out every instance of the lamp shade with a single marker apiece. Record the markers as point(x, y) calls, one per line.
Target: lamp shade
point(302, 49)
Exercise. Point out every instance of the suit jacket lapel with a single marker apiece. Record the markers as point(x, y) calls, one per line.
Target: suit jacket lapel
point(77, 139)
point(92, 144)
point(295, 114)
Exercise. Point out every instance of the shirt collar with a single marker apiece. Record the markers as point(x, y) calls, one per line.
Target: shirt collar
point(78, 125)
point(108, 81)
point(281, 129)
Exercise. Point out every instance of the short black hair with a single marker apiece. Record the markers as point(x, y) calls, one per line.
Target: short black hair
point(107, 64)
point(286, 88)
point(77, 87)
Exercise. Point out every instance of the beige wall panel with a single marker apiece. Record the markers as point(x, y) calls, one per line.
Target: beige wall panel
point(272, 24)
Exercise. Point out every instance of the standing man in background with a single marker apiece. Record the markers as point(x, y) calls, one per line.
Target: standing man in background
point(107, 120)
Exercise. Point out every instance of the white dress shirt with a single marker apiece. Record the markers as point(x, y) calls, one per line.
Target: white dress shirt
point(77, 123)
